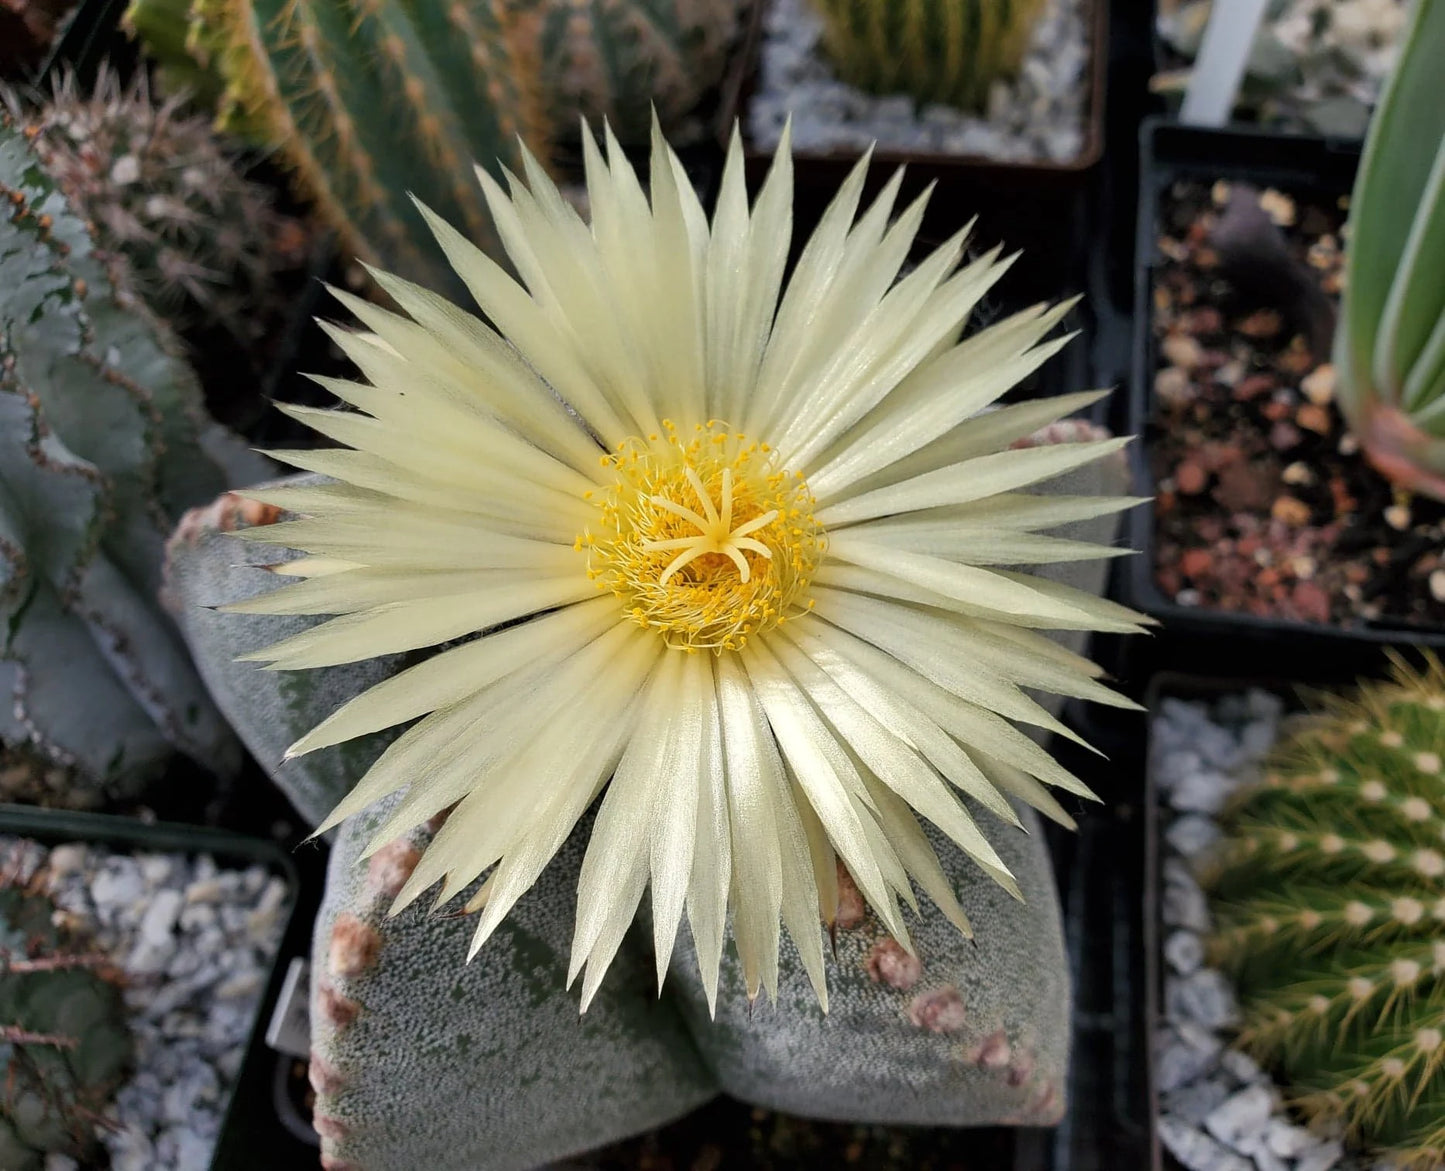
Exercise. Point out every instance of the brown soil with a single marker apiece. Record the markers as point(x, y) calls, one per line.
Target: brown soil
point(1265, 505)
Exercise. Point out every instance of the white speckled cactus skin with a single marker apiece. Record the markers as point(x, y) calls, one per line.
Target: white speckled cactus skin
point(421, 1060)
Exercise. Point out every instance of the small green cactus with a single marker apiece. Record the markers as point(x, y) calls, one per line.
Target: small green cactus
point(946, 51)
point(103, 443)
point(203, 244)
point(1330, 907)
point(64, 1042)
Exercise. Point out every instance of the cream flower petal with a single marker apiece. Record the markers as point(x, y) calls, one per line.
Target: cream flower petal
point(735, 560)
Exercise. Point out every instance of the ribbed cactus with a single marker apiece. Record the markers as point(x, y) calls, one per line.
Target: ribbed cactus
point(620, 60)
point(1330, 904)
point(371, 101)
point(103, 442)
point(945, 51)
point(203, 243)
point(64, 1043)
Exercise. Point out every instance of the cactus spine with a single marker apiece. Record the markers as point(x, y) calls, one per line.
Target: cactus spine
point(1330, 903)
point(63, 1035)
point(103, 442)
point(946, 51)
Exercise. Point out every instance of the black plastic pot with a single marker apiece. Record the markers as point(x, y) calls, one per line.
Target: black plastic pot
point(1169, 152)
point(249, 1136)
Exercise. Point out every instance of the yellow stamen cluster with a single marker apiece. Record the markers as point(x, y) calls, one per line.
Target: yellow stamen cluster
point(703, 537)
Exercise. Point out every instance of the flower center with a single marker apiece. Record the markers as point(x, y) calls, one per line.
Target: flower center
point(704, 538)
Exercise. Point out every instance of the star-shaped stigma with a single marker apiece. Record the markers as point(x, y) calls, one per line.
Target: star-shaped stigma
point(715, 529)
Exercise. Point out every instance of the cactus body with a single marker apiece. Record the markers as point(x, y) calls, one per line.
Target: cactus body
point(619, 61)
point(371, 102)
point(1330, 901)
point(946, 51)
point(63, 1035)
point(506, 1073)
point(102, 443)
point(202, 242)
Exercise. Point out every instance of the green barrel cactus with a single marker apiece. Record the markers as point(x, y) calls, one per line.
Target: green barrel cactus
point(103, 443)
point(946, 51)
point(373, 103)
point(203, 244)
point(64, 1042)
point(620, 61)
point(1330, 909)
point(488, 1065)
point(1390, 346)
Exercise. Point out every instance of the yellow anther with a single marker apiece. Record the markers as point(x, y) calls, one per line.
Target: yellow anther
point(689, 539)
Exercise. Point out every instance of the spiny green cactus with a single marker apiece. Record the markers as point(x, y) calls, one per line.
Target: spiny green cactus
point(202, 243)
point(64, 1043)
point(370, 102)
point(619, 61)
point(103, 443)
point(945, 51)
point(1390, 345)
point(1330, 903)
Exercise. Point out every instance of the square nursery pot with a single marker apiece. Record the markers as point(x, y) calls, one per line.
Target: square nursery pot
point(248, 1136)
point(1266, 700)
point(1277, 92)
point(1306, 166)
point(1035, 205)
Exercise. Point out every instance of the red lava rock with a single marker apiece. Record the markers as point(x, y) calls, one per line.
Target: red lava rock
point(889, 964)
point(1297, 360)
point(851, 905)
point(1254, 385)
point(1262, 323)
point(1204, 320)
point(993, 1052)
point(1284, 435)
point(339, 1010)
point(1217, 456)
point(390, 867)
point(939, 1010)
point(1190, 478)
point(1196, 563)
point(1310, 602)
point(1291, 511)
point(1247, 487)
point(1313, 417)
point(354, 946)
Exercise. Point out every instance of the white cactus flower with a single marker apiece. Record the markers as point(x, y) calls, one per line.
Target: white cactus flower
point(728, 550)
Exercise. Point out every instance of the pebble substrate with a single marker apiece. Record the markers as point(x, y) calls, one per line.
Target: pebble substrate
point(195, 942)
point(1219, 1111)
point(1038, 116)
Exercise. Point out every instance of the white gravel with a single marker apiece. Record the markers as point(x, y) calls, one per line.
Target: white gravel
point(195, 942)
point(1218, 1110)
point(1037, 117)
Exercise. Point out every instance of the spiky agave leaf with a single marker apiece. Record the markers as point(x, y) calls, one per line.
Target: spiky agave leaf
point(1390, 346)
point(766, 643)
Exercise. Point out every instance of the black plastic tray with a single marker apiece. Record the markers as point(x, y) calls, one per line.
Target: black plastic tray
point(1170, 151)
point(241, 1143)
